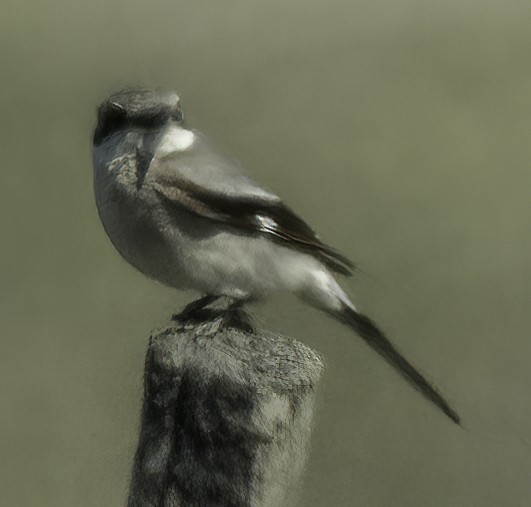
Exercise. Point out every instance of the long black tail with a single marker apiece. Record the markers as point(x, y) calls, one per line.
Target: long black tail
point(379, 342)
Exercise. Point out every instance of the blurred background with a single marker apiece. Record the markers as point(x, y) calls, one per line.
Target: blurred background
point(399, 129)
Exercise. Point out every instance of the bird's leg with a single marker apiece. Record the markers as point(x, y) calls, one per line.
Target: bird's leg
point(230, 310)
point(234, 316)
point(192, 310)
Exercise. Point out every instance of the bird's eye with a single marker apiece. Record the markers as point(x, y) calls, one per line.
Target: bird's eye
point(111, 118)
point(117, 108)
point(177, 115)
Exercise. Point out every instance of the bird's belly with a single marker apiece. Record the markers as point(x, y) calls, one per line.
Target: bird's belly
point(141, 241)
point(191, 252)
point(242, 265)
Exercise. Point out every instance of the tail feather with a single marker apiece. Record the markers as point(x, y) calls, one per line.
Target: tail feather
point(365, 328)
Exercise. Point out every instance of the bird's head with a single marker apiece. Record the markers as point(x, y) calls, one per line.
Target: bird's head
point(140, 108)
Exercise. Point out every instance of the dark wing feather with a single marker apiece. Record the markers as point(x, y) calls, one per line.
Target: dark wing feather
point(214, 187)
point(255, 216)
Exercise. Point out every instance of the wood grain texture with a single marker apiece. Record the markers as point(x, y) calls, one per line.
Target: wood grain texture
point(226, 417)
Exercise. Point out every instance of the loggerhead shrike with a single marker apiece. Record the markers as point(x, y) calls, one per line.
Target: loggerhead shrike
point(189, 217)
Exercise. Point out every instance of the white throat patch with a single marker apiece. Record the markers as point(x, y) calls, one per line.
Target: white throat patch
point(175, 139)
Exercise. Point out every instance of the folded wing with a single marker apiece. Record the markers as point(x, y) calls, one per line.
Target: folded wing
point(214, 187)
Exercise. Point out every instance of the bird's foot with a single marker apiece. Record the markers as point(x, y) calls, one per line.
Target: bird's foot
point(235, 317)
point(212, 307)
point(196, 310)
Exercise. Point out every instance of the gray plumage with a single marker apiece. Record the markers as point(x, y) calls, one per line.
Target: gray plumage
point(186, 215)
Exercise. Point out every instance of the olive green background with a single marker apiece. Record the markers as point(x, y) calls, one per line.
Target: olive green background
point(399, 129)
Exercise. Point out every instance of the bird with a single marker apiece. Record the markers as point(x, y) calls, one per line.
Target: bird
point(186, 215)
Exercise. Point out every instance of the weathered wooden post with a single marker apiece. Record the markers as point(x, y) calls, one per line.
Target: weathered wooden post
point(226, 416)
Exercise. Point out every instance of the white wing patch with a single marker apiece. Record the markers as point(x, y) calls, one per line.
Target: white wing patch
point(266, 223)
point(175, 139)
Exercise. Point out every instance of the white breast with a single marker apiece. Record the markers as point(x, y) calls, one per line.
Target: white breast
point(175, 139)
